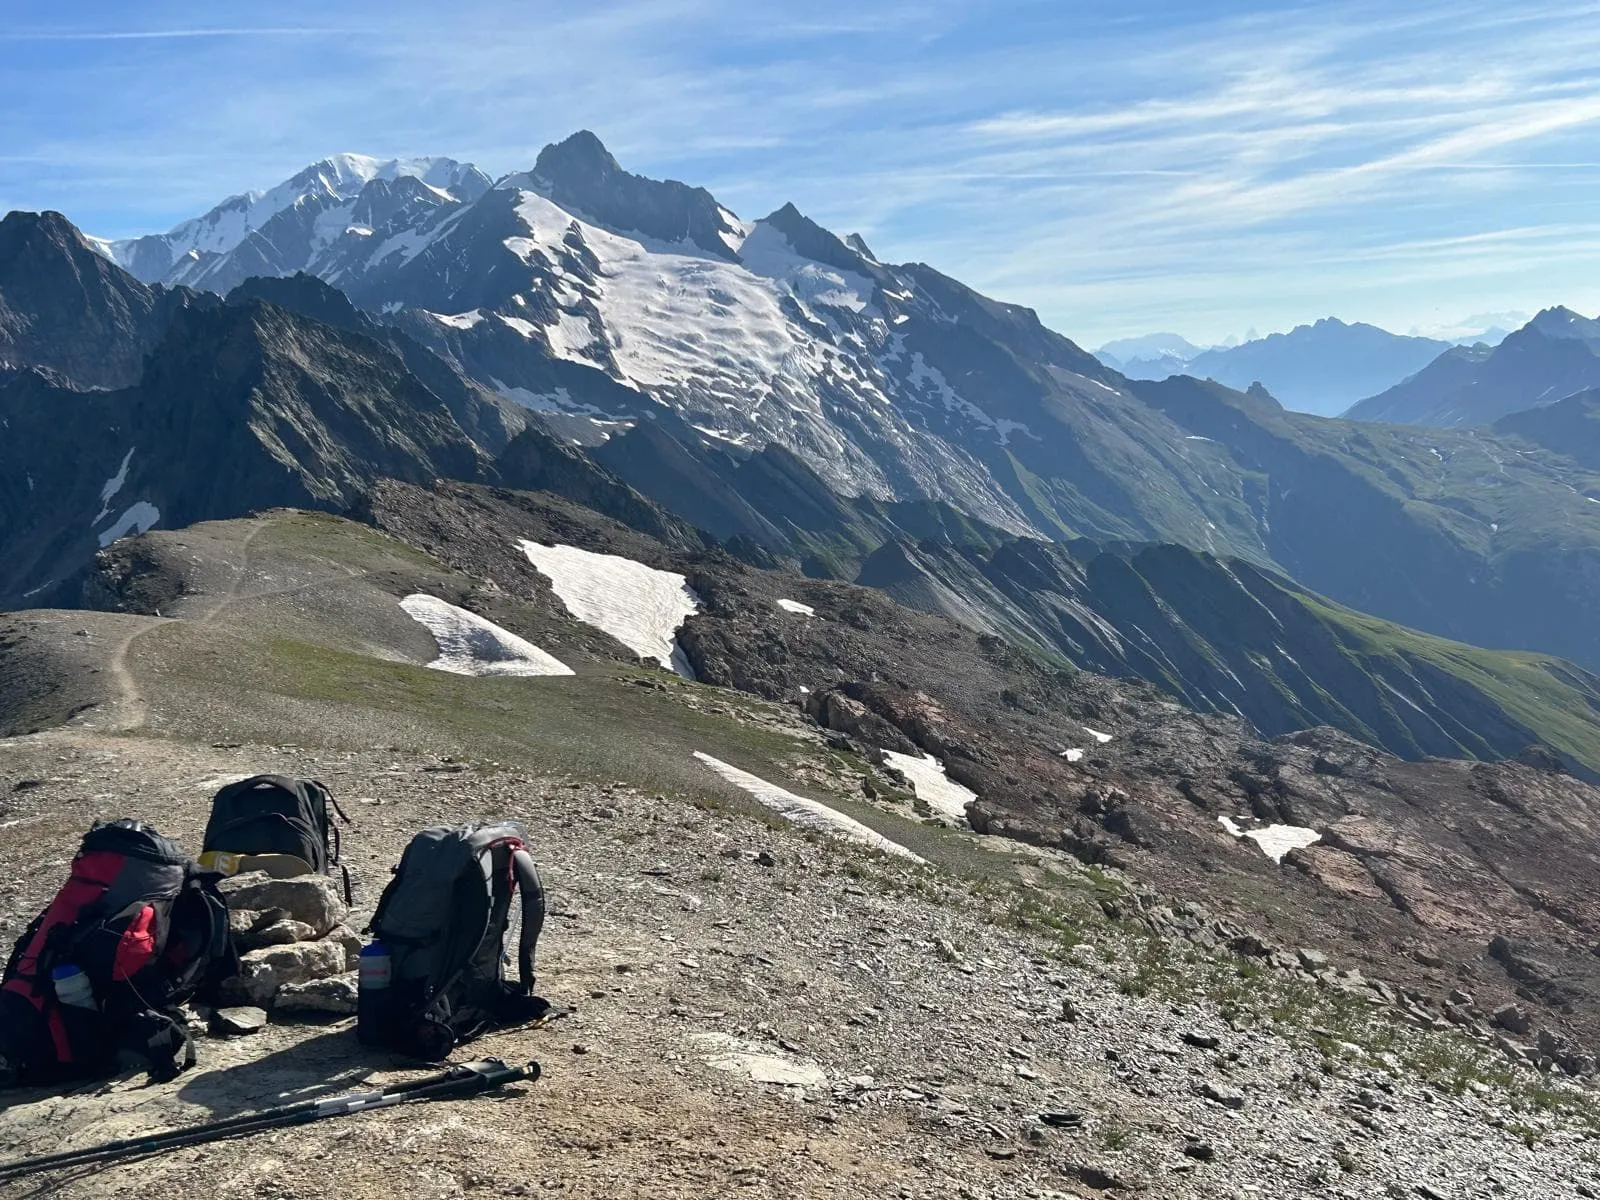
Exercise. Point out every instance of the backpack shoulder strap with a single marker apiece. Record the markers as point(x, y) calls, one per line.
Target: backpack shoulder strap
point(527, 877)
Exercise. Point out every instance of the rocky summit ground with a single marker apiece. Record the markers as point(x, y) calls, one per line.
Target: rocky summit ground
point(925, 1044)
point(760, 1008)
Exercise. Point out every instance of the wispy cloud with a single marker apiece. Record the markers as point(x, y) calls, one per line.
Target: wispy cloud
point(148, 35)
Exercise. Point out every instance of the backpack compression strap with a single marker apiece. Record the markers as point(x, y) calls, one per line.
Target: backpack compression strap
point(527, 875)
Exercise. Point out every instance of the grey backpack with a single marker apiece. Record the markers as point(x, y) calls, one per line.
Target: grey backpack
point(444, 918)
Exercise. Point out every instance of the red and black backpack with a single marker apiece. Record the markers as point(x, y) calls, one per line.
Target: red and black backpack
point(148, 929)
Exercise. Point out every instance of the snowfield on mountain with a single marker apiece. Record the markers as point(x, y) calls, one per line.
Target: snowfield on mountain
point(641, 607)
point(929, 781)
point(803, 812)
point(471, 645)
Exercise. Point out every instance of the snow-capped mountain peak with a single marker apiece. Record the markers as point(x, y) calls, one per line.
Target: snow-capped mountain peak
point(601, 299)
point(189, 252)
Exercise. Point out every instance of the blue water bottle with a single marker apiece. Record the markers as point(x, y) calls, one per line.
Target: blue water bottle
point(72, 986)
point(374, 995)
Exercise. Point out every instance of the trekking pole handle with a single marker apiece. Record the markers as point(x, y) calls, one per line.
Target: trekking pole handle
point(496, 1072)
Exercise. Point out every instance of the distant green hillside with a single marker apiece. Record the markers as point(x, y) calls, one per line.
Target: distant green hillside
point(1229, 636)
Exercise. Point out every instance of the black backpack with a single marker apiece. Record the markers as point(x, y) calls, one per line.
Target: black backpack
point(444, 918)
point(148, 929)
point(274, 824)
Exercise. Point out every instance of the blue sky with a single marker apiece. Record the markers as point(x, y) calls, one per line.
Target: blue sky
point(1204, 167)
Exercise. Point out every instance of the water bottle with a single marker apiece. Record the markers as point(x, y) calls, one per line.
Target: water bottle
point(73, 986)
point(374, 996)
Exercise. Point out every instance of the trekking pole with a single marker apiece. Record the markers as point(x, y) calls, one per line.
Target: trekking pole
point(469, 1079)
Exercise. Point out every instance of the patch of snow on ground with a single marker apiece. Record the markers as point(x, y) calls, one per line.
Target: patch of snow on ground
point(1102, 738)
point(471, 645)
point(808, 814)
point(794, 606)
point(932, 785)
point(638, 605)
point(464, 320)
point(1073, 755)
point(137, 519)
point(108, 493)
point(1275, 840)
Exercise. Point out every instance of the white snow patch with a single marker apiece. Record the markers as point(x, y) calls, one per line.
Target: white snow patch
point(137, 519)
point(638, 605)
point(794, 606)
point(1006, 428)
point(932, 785)
point(1275, 840)
point(471, 645)
point(570, 336)
point(1102, 738)
point(112, 486)
point(806, 813)
point(1073, 755)
point(524, 327)
point(464, 320)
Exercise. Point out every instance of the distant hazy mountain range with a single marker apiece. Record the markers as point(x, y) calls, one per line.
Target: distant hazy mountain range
point(1553, 356)
point(1322, 368)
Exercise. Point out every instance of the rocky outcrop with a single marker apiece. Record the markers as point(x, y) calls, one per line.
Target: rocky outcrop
point(65, 308)
point(295, 950)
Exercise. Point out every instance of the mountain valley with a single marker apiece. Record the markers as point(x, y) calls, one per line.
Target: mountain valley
point(1069, 780)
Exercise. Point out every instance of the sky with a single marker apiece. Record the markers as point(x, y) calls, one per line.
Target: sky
point(1122, 166)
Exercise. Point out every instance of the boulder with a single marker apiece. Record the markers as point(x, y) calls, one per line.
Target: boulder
point(312, 899)
point(279, 933)
point(1221, 1093)
point(1565, 1054)
point(1312, 960)
point(351, 941)
point(1514, 1019)
point(263, 972)
point(239, 1020)
point(333, 995)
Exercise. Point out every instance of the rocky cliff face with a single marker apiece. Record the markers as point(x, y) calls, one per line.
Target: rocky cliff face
point(65, 309)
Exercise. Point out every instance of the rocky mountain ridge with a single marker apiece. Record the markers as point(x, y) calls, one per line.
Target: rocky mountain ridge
point(1553, 356)
point(896, 384)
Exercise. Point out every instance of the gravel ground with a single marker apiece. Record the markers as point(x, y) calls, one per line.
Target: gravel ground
point(927, 1031)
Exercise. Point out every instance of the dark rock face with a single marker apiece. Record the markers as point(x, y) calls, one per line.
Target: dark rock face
point(488, 419)
point(65, 308)
point(580, 175)
point(1569, 428)
point(240, 408)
